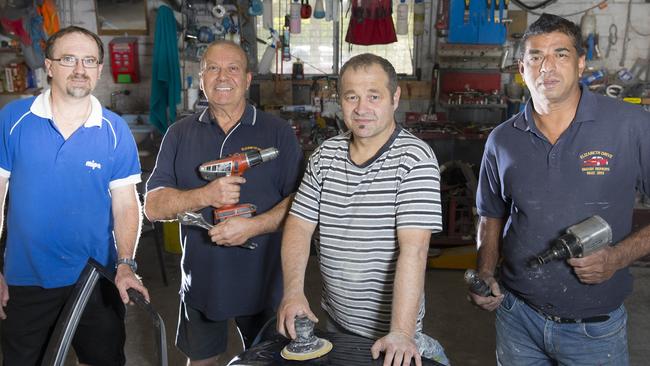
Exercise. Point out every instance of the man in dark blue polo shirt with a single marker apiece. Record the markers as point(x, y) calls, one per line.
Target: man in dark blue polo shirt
point(221, 280)
point(569, 155)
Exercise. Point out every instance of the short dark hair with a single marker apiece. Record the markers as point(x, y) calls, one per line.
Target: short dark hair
point(51, 42)
point(223, 42)
point(548, 23)
point(368, 59)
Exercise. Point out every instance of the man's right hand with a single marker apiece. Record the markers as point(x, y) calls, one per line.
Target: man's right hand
point(222, 191)
point(489, 303)
point(290, 308)
point(4, 297)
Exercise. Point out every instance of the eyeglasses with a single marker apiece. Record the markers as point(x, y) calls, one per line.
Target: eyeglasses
point(71, 61)
point(214, 69)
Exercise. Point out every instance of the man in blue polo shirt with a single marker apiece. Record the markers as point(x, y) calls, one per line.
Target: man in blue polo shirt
point(70, 168)
point(538, 178)
point(222, 280)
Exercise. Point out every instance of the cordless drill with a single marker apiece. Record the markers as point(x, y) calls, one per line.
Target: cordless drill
point(235, 164)
point(580, 240)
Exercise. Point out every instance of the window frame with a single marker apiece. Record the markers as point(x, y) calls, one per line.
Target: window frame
point(339, 28)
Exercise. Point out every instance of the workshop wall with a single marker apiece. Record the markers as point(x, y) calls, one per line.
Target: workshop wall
point(638, 46)
point(83, 14)
point(614, 12)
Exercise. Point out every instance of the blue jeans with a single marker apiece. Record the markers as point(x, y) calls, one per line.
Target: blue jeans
point(525, 337)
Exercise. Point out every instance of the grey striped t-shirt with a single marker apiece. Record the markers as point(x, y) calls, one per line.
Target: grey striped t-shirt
point(359, 209)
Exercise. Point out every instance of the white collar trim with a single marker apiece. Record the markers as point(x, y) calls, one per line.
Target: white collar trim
point(43, 108)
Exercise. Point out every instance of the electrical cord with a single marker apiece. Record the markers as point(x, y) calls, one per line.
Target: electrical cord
point(521, 4)
point(602, 3)
point(628, 22)
point(638, 32)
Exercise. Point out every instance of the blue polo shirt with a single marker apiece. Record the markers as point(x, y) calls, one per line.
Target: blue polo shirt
point(595, 167)
point(59, 212)
point(224, 282)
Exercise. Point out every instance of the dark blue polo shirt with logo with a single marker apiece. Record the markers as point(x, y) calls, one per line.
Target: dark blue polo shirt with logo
point(224, 282)
point(594, 168)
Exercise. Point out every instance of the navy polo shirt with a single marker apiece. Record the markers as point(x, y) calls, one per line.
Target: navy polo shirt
point(224, 282)
point(59, 212)
point(595, 167)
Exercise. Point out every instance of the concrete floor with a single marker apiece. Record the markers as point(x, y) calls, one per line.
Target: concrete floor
point(466, 332)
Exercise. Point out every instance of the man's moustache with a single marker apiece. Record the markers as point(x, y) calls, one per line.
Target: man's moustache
point(78, 77)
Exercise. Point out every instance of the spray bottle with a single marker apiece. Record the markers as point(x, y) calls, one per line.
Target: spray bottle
point(192, 94)
point(286, 36)
point(267, 14)
point(264, 66)
point(319, 10)
point(294, 12)
point(588, 28)
point(402, 26)
point(329, 7)
point(418, 17)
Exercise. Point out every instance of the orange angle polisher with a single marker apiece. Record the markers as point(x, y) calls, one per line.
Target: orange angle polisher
point(235, 164)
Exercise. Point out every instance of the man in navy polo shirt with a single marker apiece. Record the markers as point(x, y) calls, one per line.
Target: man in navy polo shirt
point(222, 280)
point(569, 155)
point(70, 168)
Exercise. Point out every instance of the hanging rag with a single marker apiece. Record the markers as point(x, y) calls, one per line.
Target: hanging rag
point(15, 28)
point(165, 71)
point(12, 20)
point(50, 16)
point(371, 23)
point(34, 54)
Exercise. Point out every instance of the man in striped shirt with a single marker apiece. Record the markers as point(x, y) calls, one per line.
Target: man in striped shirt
point(374, 192)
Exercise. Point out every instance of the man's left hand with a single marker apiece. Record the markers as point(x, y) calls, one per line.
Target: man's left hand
point(231, 232)
point(596, 267)
point(398, 350)
point(126, 279)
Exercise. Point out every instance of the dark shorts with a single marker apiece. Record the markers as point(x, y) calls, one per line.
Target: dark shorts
point(33, 311)
point(200, 338)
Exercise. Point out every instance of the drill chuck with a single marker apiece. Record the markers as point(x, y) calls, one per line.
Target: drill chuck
point(580, 240)
point(269, 154)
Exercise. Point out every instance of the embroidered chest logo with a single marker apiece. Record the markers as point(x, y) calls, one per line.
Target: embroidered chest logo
point(596, 162)
point(92, 164)
point(250, 148)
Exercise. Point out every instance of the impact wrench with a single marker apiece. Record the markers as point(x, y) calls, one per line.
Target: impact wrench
point(579, 241)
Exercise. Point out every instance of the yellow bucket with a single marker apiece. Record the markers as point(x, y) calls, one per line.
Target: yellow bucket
point(172, 237)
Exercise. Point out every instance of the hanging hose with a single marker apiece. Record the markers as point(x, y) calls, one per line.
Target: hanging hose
point(533, 7)
point(627, 31)
point(601, 5)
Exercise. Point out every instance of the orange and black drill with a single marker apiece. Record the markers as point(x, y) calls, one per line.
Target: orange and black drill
point(235, 164)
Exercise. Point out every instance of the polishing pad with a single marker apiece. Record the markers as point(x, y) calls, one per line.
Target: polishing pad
point(321, 348)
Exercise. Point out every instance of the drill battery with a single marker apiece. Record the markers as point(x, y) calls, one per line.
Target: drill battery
point(242, 210)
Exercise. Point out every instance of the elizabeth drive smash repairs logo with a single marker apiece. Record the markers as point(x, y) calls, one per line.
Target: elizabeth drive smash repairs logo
point(595, 162)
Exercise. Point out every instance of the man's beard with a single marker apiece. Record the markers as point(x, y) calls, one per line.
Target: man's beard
point(78, 91)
